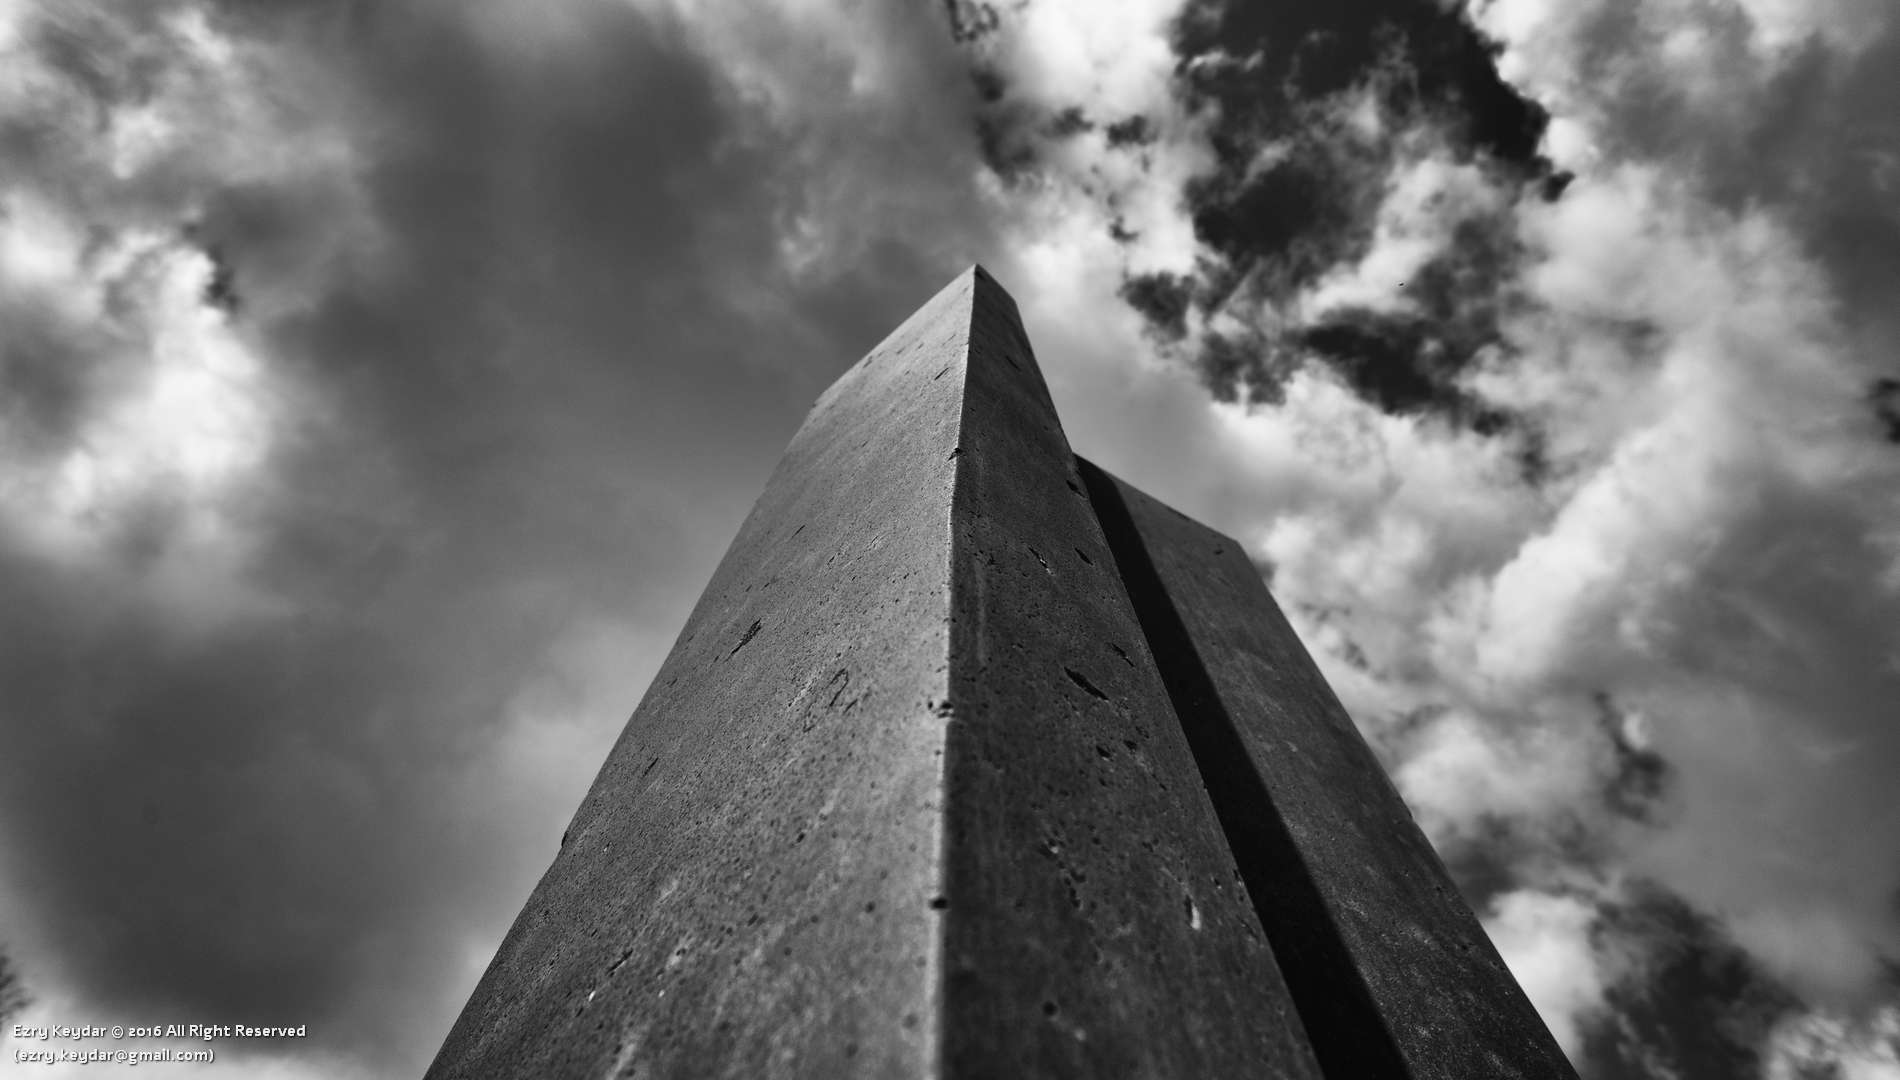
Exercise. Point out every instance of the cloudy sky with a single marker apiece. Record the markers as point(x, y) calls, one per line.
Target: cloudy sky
point(380, 381)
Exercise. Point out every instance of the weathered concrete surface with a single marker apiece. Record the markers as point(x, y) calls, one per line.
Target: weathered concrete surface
point(906, 799)
point(1095, 922)
point(745, 891)
point(1392, 974)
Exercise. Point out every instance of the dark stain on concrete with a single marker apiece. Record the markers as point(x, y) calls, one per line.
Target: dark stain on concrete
point(750, 633)
point(1082, 681)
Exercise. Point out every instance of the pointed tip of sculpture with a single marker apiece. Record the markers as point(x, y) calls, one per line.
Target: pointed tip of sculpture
point(978, 273)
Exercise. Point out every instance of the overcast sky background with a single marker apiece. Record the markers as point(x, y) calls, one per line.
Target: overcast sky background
point(381, 381)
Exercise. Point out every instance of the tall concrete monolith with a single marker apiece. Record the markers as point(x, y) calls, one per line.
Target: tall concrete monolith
point(973, 762)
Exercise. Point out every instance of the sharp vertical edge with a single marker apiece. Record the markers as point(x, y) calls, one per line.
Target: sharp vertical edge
point(1096, 924)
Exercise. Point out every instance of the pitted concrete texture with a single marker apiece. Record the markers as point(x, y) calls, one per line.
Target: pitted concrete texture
point(746, 890)
point(1095, 921)
point(1392, 973)
point(906, 799)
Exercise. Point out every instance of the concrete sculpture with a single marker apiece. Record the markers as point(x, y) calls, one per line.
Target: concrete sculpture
point(973, 761)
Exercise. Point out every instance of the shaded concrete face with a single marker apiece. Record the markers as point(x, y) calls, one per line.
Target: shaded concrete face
point(1392, 973)
point(1096, 923)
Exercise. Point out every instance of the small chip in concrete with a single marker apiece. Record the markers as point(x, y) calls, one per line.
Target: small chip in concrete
point(750, 633)
point(1079, 680)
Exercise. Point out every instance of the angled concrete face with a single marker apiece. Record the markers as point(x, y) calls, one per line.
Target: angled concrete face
point(745, 891)
point(1096, 923)
point(1393, 975)
point(907, 798)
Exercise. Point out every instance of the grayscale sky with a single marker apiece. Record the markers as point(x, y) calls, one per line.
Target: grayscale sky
point(381, 381)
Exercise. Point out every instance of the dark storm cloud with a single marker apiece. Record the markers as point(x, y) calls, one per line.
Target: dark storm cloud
point(1267, 66)
point(1885, 397)
point(1694, 1006)
point(1009, 133)
point(1638, 784)
point(534, 403)
point(1263, 63)
point(1278, 76)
